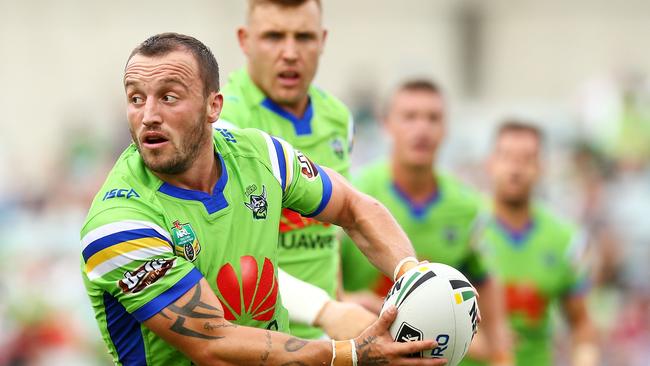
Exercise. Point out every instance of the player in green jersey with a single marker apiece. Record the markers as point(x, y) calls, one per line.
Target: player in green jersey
point(179, 249)
point(439, 214)
point(535, 254)
point(282, 41)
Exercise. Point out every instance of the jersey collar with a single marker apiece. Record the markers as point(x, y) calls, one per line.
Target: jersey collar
point(301, 126)
point(417, 209)
point(516, 237)
point(212, 202)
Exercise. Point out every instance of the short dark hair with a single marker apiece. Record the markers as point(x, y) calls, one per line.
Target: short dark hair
point(284, 3)
point(412, 85)
point(419, 84)
point(518, 125)
point(164, 43)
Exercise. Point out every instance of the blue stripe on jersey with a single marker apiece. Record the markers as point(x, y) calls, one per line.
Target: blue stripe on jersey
point(327, 192)
point(416, 209)
point(125, 333)
point(302, 126)
point(119, 237)
point(155, 305)
point(279, 151)
point(212, 203)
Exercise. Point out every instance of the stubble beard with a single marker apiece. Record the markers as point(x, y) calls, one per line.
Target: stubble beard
point(182, 157)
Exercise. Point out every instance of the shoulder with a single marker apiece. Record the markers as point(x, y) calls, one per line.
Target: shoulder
point(561, 228)
point(128, 187)
point(275, 154)
point(237, 104)
point(371, 176)
point(330, 106)
point(459, 194)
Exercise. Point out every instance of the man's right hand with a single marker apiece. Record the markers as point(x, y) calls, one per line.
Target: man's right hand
point(375, 346)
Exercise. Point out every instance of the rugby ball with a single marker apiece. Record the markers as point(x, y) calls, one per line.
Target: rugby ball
point(434, 301)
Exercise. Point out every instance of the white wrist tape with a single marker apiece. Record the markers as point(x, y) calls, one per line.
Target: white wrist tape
point(303, 300)
point(401, 263)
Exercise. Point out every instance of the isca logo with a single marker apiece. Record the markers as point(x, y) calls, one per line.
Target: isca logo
point(252, 298)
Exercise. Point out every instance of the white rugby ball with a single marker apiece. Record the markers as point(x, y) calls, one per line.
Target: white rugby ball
point(435, 301)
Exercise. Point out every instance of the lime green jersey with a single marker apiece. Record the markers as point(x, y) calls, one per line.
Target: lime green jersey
point(309, 249)
point(146, 242)
point(537, 265)
point(441, 229)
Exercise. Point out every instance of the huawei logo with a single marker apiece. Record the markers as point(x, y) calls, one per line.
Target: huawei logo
point(252, 298)
point(291, 220)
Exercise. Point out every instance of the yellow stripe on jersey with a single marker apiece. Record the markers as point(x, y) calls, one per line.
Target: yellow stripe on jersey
point(157, 246)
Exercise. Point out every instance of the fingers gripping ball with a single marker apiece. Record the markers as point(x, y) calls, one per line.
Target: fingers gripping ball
point(435, 301)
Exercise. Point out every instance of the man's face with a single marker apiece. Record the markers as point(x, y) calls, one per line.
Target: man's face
point(515, 166)
point(169, 116)
point(283, 45)
point(416, 125)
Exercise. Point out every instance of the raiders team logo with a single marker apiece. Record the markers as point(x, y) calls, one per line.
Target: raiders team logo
point(186, 244)
point(258, 204)
point(337, 146)
point(307, 167)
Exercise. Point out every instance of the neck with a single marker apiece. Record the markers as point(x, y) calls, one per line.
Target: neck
point(297, 109)
point(515, 216)
point(195, 178)
point(418, 182)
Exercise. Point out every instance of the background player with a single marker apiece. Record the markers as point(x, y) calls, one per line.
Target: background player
point(536, 254)
point(439, 214)
point(283, 41)
point(180, 245)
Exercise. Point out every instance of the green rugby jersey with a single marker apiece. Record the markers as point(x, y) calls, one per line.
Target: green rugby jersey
point(146, 242)
point(309, 249)
point(537, 266)
point(442, 229)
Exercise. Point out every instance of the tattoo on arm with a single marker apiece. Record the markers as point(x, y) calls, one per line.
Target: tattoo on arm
point(269, 346)
point(364, 356)
point(194, 309)
point(294, 344)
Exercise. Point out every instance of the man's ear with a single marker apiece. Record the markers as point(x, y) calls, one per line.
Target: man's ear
point(214, 106)
point(242, 37)
point(324, 39)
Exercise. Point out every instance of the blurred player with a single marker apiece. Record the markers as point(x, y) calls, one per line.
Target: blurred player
point(179, 249)
point(535, 254)
point(283, 41)
point(439, 214)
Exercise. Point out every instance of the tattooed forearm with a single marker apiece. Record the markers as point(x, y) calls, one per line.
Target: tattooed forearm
point(195, 303)
point(269, 346)
point(212, 326)
point(294, 344)
point(179, 328)
point(194, 309)
point(363, 353)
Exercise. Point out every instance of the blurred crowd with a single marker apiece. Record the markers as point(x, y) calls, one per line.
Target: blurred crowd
point(598, 174)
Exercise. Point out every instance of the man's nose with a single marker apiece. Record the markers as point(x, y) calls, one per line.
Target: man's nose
point(151, 113)
point(290, 50)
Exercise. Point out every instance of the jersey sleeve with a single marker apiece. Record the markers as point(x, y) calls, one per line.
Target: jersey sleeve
point(129, 258)
point(576, 277)
point(306, 186)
